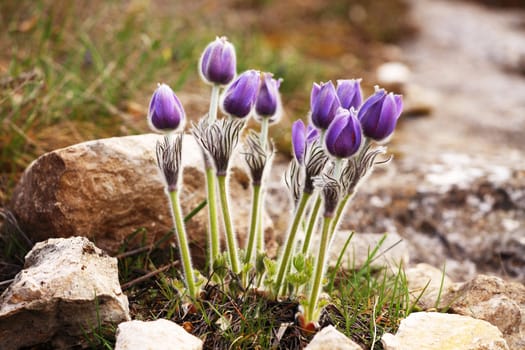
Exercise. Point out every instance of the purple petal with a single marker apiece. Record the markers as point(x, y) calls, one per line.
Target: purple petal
point(298, 140)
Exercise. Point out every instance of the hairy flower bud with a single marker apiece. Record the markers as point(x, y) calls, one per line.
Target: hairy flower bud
point(218, 62)
point(301, 137)
point(268, 103)
point(343, 137)
point(165, 110)
point(379, 114)
point(240, 96)
point(324, 104)
point(349, 93)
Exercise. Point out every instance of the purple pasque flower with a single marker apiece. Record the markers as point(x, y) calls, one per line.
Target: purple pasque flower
point(343, 137)
point(379, 114)
point(323, 103)
point(240, 96)
point(268, 103)
point(301, 137)
point(165, 111)
point(349, 93)
point(218, 62)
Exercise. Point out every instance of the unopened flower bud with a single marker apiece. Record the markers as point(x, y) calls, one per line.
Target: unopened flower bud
point(240, 96)
point(268, 103)
point(349, 93)
point(165, 110)
point(379, 114)
point(324, 104)
point(218, 62)
point(343, 137)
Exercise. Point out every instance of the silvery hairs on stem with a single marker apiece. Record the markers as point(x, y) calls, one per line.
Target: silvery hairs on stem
point(314, 163)
point(218, 139)
point(358, 167)
point(169, 159)
point(331, 191)
point(256, 156)
point(293, 179)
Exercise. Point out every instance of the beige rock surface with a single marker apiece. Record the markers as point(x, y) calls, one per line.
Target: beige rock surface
point(330, 338)
point(66, 288)
point(427, 285)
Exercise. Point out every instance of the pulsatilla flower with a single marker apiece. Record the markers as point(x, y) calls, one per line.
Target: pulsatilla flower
point(324, 104)
point(379, 114)
point(343, 137)
point(349, 93)
point(219, 140)
point(169, 152)
point(256, 156)
point(301, 137)
point(331, 191)
point(268, 103)
point(218, 62)
point(165, 110)
point(239, 98)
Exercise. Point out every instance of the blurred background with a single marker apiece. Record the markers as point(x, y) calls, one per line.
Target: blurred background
point(72, 71)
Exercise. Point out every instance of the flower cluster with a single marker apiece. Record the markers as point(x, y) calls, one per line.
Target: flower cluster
point(332, 155)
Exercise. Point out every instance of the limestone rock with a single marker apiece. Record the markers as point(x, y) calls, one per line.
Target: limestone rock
point(427, 285)
point(436, 331)
point(107, 189)
point(158, 334)
point(494, 300)
point(66, 288)
point(330, 338)
point(393, 251)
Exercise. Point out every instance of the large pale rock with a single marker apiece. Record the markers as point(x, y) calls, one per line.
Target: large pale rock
point(330, 338)
point(392, 253)
point(436, 331)
point(427, 285)
point(494, 300)
point(107, 189)
point(153, 335)
point(67, 288)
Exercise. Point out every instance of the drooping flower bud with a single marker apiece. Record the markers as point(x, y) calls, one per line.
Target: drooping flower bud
point(240, 96)
point(323, 103)
point(268, 103)
point(349, 93)
point(343, 137)
point(217, 64)
point(165, 110)
point(379, 114)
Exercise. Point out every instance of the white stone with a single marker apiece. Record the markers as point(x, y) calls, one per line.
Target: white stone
point(330, 338)
point(155, 335)
point(437, 331)
point(390, 73)
point(427, 285)
point(67, 287)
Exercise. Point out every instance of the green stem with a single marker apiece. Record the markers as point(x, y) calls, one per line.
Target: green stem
point(214, 102)
point(250, 256)
point(228, 225)
point(260, 229)
point(312, 222)
point(339, 212)
point(290, 239)
point(215, 244)
point(319, 269)
point(183, 244)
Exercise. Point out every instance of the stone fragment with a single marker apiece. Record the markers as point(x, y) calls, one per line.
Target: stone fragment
point(66, 289)
point(393, 75)
point(436, 331)
point(427, 285)
point(152, 335)
point(393, 251)
point(494, 300)
point(108, 189)
point(330, 338)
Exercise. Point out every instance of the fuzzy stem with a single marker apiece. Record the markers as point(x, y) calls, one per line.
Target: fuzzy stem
point(214, 102)
point(250, 256)
point(290, 239)
point(183, 244)
point(228, 225)
point(215, 244)
point(339, 212)
point(264, 132)
point(319, 269)
point(311, 225)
